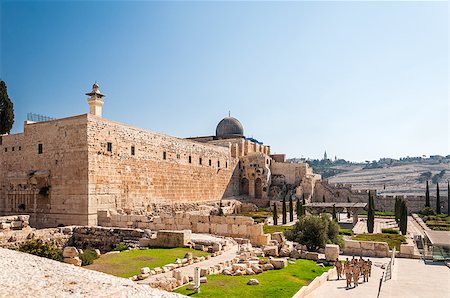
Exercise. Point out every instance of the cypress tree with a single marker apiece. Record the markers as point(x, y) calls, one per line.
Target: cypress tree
point(397, 209)
point(291, 209)
point(403, 218)
point(438, 200)
point(427, 196)
point(370, 215)
point(6, 110)
point(298, 208)
point(275, 214)
point(323, 198)
point(303, 199)
point(284, 211)
point(334, 212)
point(348, 212)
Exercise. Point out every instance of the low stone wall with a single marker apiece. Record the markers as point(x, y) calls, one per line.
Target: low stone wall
point(167, 239)
point(317, 282)
point(228, 226)
point(14, 222)
point(103, 238)
point(366, 248)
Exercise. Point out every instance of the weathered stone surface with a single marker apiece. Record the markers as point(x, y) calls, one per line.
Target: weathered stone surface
point(295, 254)
point(145, 270)
point(331, 252)
point(284, 252)
point(271, 251)
point(267, 266)
point(278, 263)
point(74, 261)
point(253, 282)
point(256, 268)
point(249, 271)
point(314, 256)
point(70, 252)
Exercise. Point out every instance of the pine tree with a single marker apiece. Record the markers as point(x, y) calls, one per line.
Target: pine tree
point(291, 210)
point(6, 110)
point(275, 214)
point(370, 215)
point(438, 200)
point(334, 212)
point(403, 218)
point(284, 211)
point(427, 196)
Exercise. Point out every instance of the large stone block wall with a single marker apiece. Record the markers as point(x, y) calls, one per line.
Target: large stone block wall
point(50, 187)
point(229, 226)
point(159, 172)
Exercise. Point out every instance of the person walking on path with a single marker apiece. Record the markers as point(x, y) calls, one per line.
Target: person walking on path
point(338, 265)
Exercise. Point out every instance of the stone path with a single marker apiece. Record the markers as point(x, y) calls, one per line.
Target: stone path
point(337, 288)
point(25, 275)
point(189, 270)
point(380, 223)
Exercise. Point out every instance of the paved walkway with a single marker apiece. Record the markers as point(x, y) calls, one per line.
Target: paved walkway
point(380, 223)
point(337, 288)
point(189, 270)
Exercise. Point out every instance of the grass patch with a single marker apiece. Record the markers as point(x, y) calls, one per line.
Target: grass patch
point(129, 263)
point(391, 239)
point(390, 231)
point(272, 229)
point(259, 216)
point(439, 222)
point(274, 283)
point(379, 213)
point(346, 232)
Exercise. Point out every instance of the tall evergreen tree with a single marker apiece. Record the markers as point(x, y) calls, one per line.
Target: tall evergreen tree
point(438, 200)
point(397, 209)
point(348, 209)
point(427, 196)
point(284, 211)
point(297, 207)
point(303, 200)
point(6, 110)
point(323, 198)
point(370, 215)
point(291, 209)
point(275, 214)
point(403, 218)
point(334, 212)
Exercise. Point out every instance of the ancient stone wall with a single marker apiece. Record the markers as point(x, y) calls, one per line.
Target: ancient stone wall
point(43, 172)
point(229, 226)
point(131, 169)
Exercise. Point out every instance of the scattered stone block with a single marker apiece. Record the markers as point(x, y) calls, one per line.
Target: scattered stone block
point(331, 252)
point(278, 263)
point(73, 261)
point(70, 252)
point(253, 282)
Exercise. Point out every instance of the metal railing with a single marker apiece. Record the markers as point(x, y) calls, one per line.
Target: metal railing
point(387, 274)
point(38, 118)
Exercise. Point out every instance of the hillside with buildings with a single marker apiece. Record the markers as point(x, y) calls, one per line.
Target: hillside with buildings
point(406, 176)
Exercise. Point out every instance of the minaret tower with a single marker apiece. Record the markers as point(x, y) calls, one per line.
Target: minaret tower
point(95, 100)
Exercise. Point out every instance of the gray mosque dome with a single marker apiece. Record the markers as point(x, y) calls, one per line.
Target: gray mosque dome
point(229, 126)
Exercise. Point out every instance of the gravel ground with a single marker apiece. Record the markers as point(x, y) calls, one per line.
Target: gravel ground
point(25, 275)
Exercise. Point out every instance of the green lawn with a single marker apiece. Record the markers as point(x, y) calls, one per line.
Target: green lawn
point(391, 239)
point(440, 222)
point(129, 263)
point(259, 216)
point(379, 213)
point(274, 283)
point(272, 229)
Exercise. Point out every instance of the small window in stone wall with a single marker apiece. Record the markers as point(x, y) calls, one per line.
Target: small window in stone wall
point(109, 147)
point(190, 159)
point(20, 148)
point(210, 162)
point(40, 149)
point(13, 148)
point(133, 150)
point(164, 155)
point(200, 160)
point(6, 149)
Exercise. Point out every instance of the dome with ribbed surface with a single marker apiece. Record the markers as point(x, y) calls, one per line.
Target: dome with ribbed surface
point(229, 126)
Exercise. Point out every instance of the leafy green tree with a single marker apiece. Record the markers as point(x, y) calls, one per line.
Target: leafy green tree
point(275, 214)
point(284, 211)
point(315, 232)
point(404, 218)
point(438, 200)
point(291, 209)
point(6, 110)
point(371, 215)
point(334, 212)
point(427, 196)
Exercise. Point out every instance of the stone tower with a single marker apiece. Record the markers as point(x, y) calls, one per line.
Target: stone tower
point(95, 100)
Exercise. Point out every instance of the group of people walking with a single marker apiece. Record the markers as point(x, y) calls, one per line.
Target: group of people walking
point(353, 270)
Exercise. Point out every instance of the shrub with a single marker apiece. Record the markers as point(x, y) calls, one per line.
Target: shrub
point(346, 232)
point(428, 211)
point(315, 231)
point(39, 248)
point(389, 231)
point(120, 247)
point(88, 256)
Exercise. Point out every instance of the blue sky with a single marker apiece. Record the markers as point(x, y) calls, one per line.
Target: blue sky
point(361, 80)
